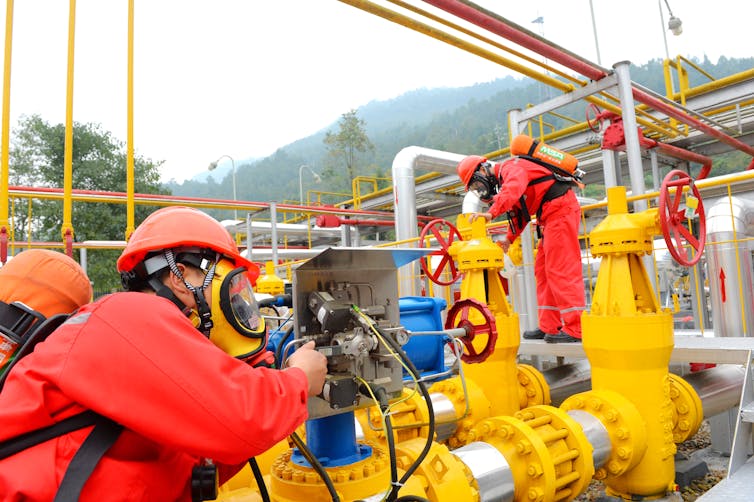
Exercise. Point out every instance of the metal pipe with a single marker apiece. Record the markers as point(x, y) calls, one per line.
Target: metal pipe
point(511, 31)
point(730, 221)
point(158, 199)
point(406, 226)
point(596, 434)
point(567, 380)
point(515, 33)
point(630, 133)
point(490, 469)
point(718, 388)
point(653, 102)
point(680, 153)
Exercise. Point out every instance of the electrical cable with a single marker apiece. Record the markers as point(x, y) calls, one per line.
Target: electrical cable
point(430, 412)
point(316, 465)
point(279, 349)
point(384, 405)
point(409, 365)
point(259, 479)
point(411, 498)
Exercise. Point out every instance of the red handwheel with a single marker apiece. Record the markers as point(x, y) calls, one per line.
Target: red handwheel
point(593, 123)
point(458, 317)
point(674, 217)
point(445, 234)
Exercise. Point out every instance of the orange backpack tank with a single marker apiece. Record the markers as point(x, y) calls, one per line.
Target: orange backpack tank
point(561, 162)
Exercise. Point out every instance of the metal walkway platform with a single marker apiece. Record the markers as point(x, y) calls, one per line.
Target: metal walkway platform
point(688, 348)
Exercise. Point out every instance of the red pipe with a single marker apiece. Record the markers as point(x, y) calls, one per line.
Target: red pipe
point(680, 153)
point(519, 35)
point(333, 221)
point(661, 106)
point(200, 200)
point(509, 30)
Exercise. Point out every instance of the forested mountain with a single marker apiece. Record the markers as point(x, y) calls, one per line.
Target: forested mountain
point(464, 120)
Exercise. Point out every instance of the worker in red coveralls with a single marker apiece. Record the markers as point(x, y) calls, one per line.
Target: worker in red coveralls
point(173, 369)
point(521, 187)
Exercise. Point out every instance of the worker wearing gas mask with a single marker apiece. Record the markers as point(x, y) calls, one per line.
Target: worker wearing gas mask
point(518, 188)
point(174, 369)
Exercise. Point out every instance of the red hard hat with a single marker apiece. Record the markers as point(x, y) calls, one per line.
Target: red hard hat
point(179, 226)
point(467, 167)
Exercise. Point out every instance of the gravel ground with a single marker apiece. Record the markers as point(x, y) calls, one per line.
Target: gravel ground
point(699, 447)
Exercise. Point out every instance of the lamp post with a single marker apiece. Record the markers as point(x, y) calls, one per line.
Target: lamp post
point(213, 166)
point(317, 179)
point(674, 25)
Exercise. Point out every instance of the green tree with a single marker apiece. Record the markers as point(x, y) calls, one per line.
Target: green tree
point(99, 164)
point(343, 147)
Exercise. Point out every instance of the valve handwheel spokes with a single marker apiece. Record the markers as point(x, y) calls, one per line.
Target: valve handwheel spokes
point(445, 234)
point(593, 123)
point(674, 217)
point(459, 316)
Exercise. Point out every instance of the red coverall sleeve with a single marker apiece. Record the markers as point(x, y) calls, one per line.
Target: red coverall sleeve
point(135, 358)
point(515, 181)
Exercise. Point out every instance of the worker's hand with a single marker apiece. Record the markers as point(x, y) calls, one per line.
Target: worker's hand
point(504, 243)
point(313, 363)
point(486, 216)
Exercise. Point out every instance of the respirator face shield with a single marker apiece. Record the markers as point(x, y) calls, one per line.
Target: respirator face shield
point(484, 182)
point(238, 326)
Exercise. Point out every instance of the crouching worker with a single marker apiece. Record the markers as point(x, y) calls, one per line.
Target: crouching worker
point(522, 186)
point(167, 370)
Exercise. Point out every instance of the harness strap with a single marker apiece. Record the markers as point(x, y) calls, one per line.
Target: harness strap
point(557, 189)
point(99, 440)
point(16, 319)
point(522, 217)
point(102, 437)
point(70, 424)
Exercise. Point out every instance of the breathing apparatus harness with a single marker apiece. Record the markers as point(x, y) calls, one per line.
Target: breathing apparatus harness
point(29, 327)
point(519, 218)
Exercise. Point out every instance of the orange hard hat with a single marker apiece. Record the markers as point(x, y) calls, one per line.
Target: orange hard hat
point(48, 281)
point(467, 167)
point(179, 227)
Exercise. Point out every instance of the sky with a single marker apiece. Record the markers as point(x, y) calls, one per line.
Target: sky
point(239, 79)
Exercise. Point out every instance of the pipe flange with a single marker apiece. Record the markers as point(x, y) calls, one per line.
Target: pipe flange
point(290, 481)
point(624, 425)
point(533, 389)
point(471, 406)
point(537, 453)
point(687, 409)
point(569, 447)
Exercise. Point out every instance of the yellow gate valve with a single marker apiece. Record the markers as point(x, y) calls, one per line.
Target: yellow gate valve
point(627, 337)
point(270, 283)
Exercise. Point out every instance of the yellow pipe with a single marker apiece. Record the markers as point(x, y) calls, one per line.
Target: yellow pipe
point(476, 35)
point(6, 114)
point(67, 228)
point(456, 42)
point(130, 125)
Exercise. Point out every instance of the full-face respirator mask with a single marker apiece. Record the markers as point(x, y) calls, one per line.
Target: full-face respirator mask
point(484, 183)
point(238, 326)
point(232, 321)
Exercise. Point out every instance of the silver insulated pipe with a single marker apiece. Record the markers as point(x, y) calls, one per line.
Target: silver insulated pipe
point(729, 266)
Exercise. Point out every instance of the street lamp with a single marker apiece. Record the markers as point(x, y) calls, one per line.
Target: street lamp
point(674, 25)
point(317, 179)
point(213, 166)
